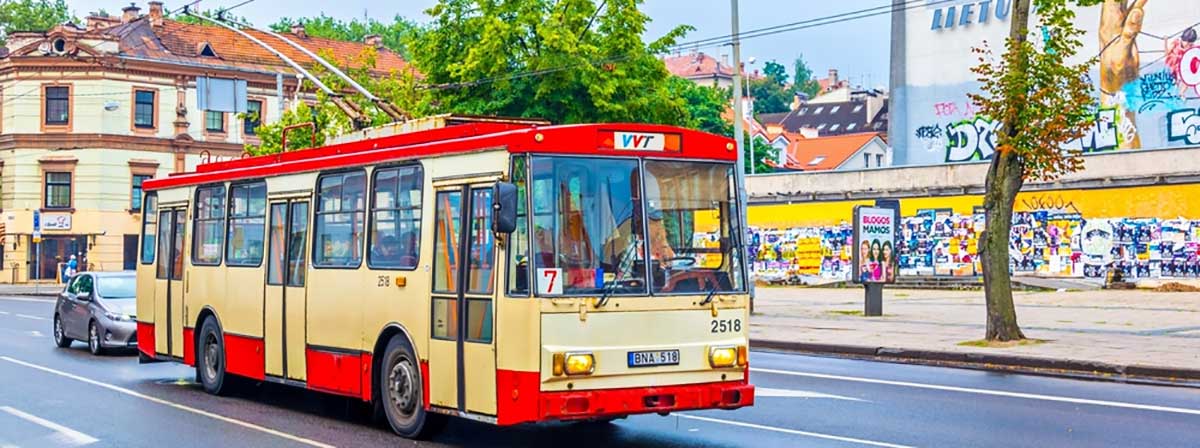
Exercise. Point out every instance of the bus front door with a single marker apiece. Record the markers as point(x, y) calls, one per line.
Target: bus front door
point(285, 296)
point(168, 282)
point(462, 351)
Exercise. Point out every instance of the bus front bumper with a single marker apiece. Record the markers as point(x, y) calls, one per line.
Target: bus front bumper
point(608, 403)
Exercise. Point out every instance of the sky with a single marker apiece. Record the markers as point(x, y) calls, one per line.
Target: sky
point(858, 48)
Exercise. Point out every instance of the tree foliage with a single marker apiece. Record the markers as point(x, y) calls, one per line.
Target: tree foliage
point(803, 81)
point(758, 151)
point(1041, 102)
point(771, 92)
point(567, 61)
point(706, 106)
point(31, 15)
point(394, 34)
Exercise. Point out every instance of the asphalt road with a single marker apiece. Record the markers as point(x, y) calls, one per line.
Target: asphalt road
point(66, 397)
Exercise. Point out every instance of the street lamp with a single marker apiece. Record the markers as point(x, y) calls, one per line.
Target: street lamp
point(750, 95)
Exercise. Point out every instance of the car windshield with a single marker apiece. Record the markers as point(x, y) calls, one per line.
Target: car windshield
point(590, 236)
point(116, 287)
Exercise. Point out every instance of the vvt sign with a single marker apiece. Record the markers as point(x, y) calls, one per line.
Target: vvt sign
point(639, 141)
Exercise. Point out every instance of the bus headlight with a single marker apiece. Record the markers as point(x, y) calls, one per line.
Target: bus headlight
point(574, 364)
point(722, 356)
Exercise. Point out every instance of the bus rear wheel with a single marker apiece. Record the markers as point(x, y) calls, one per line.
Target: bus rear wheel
point(400, 392)
point(210, 359)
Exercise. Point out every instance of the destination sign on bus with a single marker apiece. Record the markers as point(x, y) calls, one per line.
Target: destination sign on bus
point(644, 141)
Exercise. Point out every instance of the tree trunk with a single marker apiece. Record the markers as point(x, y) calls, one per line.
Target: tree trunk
point(1005, 177)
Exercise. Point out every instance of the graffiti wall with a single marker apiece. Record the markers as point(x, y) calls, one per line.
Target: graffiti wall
point(1147, 79)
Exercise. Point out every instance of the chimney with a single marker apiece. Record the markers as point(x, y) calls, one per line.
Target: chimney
point(130, 13)
point(725, 59)
point(373, 40)
point(833, 78)
point(298, 30)
point(156, 13)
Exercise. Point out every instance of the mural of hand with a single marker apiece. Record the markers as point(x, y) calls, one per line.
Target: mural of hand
point(1120, 24)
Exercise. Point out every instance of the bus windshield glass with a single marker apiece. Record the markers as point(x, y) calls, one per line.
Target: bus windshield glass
point(593, 231)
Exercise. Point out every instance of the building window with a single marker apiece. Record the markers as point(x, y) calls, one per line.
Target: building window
point(803, 110)
point(878, 160)
point(818, 110)
point(209, 228)
point(857, 108)
point(867, 160)
point(214, 121)
point(143, 109)
point(247, 216)
point(835, 109)
point(253, 116)
point(58, 190)
point(851, 126)
point(816, 160)
point(395, 218)
point(58, 105)
point(834, 128)
point(821, 127)
point(339, 220)
point(135, 193)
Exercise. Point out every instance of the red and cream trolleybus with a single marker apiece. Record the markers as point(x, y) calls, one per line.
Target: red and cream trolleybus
point(499, 271)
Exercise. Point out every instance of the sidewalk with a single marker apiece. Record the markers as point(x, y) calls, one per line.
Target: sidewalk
point(1139, 333)
point(45, 289)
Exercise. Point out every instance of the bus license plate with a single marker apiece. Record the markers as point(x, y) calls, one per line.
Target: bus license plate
point(654, 358)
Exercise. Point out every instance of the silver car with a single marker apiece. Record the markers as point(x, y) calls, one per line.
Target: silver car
point(98, 307)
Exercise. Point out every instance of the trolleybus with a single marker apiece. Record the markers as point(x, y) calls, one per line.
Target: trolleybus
point(498, 271)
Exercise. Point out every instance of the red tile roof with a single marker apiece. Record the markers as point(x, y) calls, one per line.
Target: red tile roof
point(696, 65)
point(827, 152)
point(183, 42)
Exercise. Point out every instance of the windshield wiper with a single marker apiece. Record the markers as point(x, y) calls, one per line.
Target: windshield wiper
point(623, 266)
point(711, 291)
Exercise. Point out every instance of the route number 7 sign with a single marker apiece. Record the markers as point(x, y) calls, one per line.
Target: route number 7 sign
point(549, 281)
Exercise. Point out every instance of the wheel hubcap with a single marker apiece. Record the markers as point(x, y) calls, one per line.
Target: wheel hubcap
point(402, 387)
point(57, 329)
point(93, 338)
point(210, 357)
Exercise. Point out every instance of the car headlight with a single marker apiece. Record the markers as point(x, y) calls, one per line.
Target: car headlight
point(722, 356)
point(574, 364)
point(119, 317)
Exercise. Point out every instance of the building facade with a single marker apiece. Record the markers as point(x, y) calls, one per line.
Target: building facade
point(1145, 87)
point(89, 112)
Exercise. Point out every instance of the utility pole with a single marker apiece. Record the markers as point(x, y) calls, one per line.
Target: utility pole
point(739, 137)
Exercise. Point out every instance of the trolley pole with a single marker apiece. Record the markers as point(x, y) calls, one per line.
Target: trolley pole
point(739, 137)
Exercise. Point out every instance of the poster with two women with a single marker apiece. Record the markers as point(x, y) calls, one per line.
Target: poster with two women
point(875, 239)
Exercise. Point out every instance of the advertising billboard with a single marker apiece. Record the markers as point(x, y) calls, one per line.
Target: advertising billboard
point(875, 245)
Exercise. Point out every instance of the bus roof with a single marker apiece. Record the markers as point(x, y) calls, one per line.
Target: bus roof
point(610, 139)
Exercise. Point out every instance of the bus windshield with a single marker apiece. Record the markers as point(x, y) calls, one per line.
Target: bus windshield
point(596, 222)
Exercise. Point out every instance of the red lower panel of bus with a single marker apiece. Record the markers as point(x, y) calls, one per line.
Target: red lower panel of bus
point(145, 337)
point(335, 372)
point(244, 356)
point(189, 346)
point(520, 401)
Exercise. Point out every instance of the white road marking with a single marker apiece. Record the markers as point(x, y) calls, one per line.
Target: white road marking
point(31, 317)
point(63, 435)
point(172, 404)
point(36, 334)
point(793, 431)
point(5, 313)
point(997, 393)
point(23, 299)
point(760, 392)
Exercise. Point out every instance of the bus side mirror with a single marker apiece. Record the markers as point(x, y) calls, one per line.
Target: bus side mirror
point(504, 208)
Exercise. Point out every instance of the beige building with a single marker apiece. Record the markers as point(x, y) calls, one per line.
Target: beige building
point(88, 112)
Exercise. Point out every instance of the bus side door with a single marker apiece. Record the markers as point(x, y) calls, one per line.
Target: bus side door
point(284, 300)
point(168, 282)
point(462, 358)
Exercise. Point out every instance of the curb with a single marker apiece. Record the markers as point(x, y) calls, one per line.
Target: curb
point(1133, 373)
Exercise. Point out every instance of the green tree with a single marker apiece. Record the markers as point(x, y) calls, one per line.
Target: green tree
point(1041, 101)
point(395, 34)
point(31, 15)
point(770, 96)
point(803, 81)
point(776, 72)
point(759, 151)
point(705, 105)
point(568, 61)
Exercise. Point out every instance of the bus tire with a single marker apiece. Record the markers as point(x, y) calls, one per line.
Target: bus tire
point(400, 389)
point(210, 359)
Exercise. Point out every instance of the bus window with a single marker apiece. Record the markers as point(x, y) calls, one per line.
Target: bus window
point(209, 225)
point(339, 223)
point(518, 241)
point(482, 245)
point(247, 213)
point(296, 240)
point(445, 250)
point(276, 255)
point(395, 218)
point(164, 243)
point(149, 227)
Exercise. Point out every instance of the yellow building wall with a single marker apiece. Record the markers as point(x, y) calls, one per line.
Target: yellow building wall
point(1159, 201)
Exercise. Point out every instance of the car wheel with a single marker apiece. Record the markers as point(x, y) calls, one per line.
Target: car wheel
point(210, 359)
point(60, 338)
point(400, 392)
point(94, 339)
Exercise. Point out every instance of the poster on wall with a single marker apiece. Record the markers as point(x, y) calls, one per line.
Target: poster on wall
point(875, 236)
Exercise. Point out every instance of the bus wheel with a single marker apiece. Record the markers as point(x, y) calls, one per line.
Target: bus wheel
point(210, 359)
point(400, 391)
